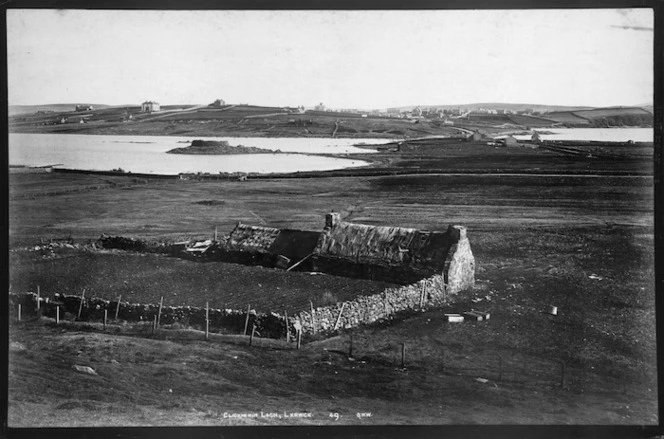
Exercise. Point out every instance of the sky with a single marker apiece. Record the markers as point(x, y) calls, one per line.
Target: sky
point(344, 59)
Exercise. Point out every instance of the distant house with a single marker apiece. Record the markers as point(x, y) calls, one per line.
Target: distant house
point(84, 108)
point(150, 106)
point(320, 107)
point(218, 103)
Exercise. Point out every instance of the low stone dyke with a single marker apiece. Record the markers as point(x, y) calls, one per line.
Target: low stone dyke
point(363, 310)
point(368, 309)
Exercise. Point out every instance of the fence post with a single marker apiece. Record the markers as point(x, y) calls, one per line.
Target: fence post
point(105, 317)
point(246, 322)
point(313, 317)
point(299, 337)
point(350, 350)
point(403, 355)
point(154, 325)
point(161, 303)
point(341, 311)
point(251, 337)
point(287, 328)
point(117, 308)
point(19, 312)
point(207, 320)
point(80, 307)
point(38, 301)
point(57, 315)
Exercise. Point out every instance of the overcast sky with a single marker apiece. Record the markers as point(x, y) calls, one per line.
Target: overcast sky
point(345, 59)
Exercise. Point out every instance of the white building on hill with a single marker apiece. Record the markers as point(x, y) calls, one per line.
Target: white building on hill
point(149, 107)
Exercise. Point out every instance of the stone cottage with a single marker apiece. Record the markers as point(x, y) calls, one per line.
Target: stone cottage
point(392, 254)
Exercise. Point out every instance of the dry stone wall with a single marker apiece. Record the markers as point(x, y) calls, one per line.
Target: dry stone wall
point(368, 309)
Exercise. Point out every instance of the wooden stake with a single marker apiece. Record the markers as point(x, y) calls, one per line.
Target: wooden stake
point(421, 296)
point(19, 312)
point(105, 318)
point(350, 350)
point(339, 316)
point(246, 322)
point(117, 308)
point(38, 294)
point(154, 324)
point(313, 317)
point(215, 233)
point(80, 307)
point(299, 338)
point(57, 315)
point(251, 337)
point(300, 261)
point(207, 320)
point(161, 304)
point(287, 328)
point(403, 355)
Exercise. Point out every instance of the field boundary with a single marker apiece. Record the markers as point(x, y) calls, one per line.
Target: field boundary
point(326, 320)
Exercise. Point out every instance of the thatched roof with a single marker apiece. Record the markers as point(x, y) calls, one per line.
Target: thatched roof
point(252, 238)
point(294, 244)
point(384, 245)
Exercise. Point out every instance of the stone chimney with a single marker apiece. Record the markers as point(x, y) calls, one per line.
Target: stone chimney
point(332, 219)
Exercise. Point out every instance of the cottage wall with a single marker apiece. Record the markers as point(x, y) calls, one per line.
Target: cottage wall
point(459, 269)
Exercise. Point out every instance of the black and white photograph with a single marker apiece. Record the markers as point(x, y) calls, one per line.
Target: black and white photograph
point(267, 218)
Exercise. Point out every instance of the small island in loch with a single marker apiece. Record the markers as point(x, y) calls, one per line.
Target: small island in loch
point(218, 147)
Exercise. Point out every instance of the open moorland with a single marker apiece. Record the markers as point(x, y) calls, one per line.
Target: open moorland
point(582, 242)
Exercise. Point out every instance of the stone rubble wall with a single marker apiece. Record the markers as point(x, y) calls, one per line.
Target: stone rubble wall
point(369, 309)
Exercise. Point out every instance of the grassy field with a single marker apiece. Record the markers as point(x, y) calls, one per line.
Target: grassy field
point(583, 243)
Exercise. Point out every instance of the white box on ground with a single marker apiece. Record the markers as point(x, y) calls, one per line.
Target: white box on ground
point(454, 318)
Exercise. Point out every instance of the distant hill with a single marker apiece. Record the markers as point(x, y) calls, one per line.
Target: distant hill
point(501, 106)
point(603, 117)
point(14, 110)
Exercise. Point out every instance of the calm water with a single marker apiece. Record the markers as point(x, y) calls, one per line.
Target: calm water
point(147, 154)
point(599, 134)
